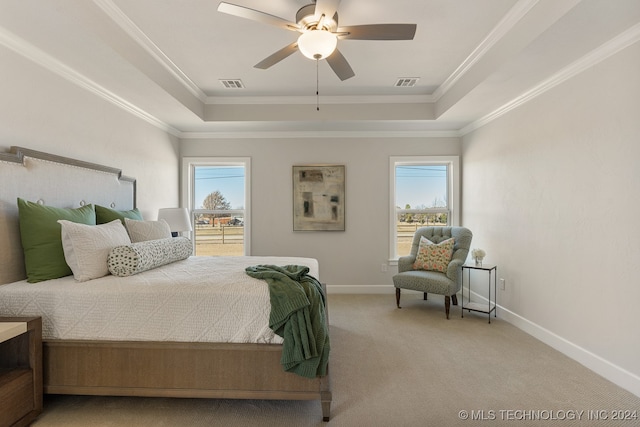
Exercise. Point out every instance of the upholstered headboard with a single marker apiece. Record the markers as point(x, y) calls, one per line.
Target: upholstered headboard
point(53, 181)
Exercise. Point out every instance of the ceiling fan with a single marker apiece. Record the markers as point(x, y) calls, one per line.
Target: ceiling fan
point(318, 23)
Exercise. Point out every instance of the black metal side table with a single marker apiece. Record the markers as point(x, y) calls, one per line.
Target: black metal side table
point(475, 306)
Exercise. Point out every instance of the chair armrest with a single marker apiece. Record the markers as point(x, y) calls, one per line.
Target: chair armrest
point(405, 263)
point(454, 268)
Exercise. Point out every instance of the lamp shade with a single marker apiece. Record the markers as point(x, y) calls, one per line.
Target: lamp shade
point(177, 218)
point(317, 44)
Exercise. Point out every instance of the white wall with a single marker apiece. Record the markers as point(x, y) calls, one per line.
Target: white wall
point(350, 261)
point(42, 111)
point(551, 191)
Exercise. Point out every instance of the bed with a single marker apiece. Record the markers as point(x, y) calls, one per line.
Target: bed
point(125, 342)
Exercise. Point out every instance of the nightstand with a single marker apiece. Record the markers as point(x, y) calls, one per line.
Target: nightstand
point(20, 370)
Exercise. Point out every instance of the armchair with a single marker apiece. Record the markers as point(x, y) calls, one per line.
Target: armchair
point(447, 284)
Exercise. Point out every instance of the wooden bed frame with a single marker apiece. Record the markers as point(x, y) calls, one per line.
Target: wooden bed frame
point(110, 368)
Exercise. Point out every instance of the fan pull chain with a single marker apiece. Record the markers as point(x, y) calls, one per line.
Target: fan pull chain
point(317, 86)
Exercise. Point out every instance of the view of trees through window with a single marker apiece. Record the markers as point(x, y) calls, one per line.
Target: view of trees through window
point(219, 210)
point(420, 200)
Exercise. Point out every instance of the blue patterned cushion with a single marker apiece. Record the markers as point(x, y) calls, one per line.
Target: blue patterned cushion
point(142, 256)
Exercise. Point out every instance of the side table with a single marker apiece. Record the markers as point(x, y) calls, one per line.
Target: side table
point(20, 370)
point(480, 307)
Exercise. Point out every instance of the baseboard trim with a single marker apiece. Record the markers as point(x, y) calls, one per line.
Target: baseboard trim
point(614, 373)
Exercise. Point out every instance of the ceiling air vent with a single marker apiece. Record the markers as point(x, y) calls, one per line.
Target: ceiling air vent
point(232, 83)
point(407, 81)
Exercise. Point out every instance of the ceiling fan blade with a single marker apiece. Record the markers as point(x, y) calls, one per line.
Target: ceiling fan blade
point(378, 32)
point(328, 8)
point(256, 15)
point(277, 57)
point(340, 66)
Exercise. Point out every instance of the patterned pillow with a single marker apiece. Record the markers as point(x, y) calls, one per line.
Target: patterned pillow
point(142, 256)
point(434, 257)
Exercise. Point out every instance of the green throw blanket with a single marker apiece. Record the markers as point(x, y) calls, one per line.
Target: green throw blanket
point(298, 316)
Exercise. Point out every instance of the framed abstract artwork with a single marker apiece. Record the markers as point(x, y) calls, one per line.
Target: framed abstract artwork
point(318, 198)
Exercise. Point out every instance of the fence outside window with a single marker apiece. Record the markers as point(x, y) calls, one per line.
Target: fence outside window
point(409, 220)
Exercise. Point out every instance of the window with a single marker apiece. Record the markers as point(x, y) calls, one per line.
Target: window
point(424, 191)
point(216, 192)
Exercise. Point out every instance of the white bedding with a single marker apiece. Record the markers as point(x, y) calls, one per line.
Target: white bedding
point(200, 299)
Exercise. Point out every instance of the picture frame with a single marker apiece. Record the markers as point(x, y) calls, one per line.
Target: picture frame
point(318, 198)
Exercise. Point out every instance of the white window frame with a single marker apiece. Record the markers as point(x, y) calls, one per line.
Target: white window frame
point(188, 190)
point(453, 190)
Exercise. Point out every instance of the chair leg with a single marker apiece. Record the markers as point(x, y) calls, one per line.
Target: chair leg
point(454, 299)
point(447, 304)
point(425, 296)
point(398, 297)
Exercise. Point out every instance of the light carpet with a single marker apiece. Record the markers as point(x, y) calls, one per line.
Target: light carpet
point(391, 367)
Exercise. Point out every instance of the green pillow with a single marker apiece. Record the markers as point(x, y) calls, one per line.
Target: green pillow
point(41, 239)
point(105, 215)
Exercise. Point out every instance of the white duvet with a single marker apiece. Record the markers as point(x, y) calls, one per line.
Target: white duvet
point(200, 299)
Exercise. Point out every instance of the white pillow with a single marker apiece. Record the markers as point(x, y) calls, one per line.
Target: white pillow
point(86, 247)
point(141, 231)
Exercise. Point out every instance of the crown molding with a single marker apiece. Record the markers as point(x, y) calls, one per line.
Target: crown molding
point(321, 134)
point(613, 46)
point(325, 99)
point(506, 24)
point(129, 27)
point(32, 53)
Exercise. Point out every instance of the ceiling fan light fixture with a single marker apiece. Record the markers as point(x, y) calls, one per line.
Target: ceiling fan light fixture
point(317, 44)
